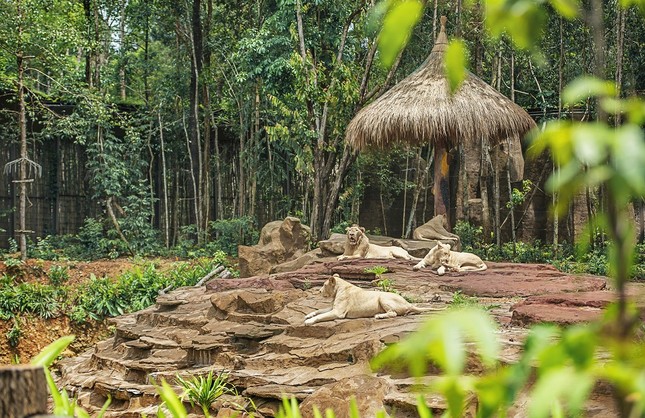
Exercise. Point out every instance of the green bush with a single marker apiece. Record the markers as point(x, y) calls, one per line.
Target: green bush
point(134, 290)
point(58, 275)
point(229, 233)
point(14, 334)
point(472, 237)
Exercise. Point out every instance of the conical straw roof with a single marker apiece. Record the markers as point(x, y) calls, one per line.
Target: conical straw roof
point(420, 110)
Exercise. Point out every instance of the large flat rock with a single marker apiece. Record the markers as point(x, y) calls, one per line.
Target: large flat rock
point(253, 328)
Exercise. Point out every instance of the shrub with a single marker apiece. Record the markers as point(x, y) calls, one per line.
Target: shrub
point(229, 233)
point(58, 275)
point(203, 391)
point(471, 237)
point(14, 334)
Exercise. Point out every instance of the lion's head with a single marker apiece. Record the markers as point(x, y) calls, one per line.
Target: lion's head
point(355, 234)
point(328, 289)
point(438, 255)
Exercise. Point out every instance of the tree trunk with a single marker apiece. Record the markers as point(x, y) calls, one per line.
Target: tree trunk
point(620, 42)
point(122, 51)
point(405, 191)
point(346, 161)
point(165, 183)
point(22, 122)
point(441, 187)
point(483, 185)
point(23, 391)
point(194, 137)
point(421, 176)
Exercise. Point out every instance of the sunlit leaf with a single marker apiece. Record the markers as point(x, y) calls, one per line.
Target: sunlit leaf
point(560, 384)
point(580, 343)
point(522, 20)
point(567, 8)
point(455, 64)
point(583, 87)
point(628, 157)
point(397, 27)
point(422, 408)
point(171, 400)
point(481, 329)
point(353, 408)
point(47, 356)
point(590, 142)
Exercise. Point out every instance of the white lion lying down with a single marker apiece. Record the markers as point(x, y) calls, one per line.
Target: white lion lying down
point(353, 302)
point(357, 245)
point(443, 259)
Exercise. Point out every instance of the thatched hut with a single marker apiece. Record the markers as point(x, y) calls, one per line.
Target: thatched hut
point(420, 110)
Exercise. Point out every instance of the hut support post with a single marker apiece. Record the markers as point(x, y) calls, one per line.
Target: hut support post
point(441, 187)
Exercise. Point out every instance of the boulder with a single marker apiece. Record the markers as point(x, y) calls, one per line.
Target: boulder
point(280, 241)
point(368, 391)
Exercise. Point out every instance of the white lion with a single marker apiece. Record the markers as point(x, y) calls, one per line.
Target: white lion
point(357, 245)
point(443, 259)
point(351, 301)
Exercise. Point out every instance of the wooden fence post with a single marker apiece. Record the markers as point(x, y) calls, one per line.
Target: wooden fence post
point(23, 391)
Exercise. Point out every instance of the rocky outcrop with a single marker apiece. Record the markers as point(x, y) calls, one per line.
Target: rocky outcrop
point(280, 241)
point(253, 329)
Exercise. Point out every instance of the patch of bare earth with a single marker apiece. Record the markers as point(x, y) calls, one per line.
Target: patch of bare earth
point(37, 332)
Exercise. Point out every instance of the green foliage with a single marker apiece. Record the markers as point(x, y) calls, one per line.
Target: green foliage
point(203, 391)
point(455, 64)
point(471, 236)
point(63, 405)
point(518, 196)
point(459, 300)
point(58, 275)
point(41, 300)
point(14, 333)
point(133, 290)
point(401, 17)
point(171, 401)
point(229, 233)
point(13, 264)
point(376, 270)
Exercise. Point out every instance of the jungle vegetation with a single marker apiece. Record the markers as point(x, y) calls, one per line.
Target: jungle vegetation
point(197, 119)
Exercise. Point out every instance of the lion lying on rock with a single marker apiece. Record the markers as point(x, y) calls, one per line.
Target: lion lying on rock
point(443, 259)
point(357, 245)
point(353, 302)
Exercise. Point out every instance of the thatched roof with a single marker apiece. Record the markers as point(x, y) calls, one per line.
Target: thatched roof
point(420, 109)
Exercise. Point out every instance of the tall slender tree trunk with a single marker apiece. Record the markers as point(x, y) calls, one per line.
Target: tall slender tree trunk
point(441, 187)
point(420, 180)
point(194, 136)
point(347, 159)
point(22, 122)
point(620, 42)
point(219, 203)
point(165, 183)
point(122, 63)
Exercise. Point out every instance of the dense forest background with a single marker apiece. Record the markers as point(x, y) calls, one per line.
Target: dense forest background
point(162, 121)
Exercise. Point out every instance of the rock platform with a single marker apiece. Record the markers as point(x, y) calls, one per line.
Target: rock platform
point(253, 329)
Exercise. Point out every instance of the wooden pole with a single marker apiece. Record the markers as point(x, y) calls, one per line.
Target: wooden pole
point(23, 391)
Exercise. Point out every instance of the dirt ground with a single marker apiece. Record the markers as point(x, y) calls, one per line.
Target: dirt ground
point(37, 333)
